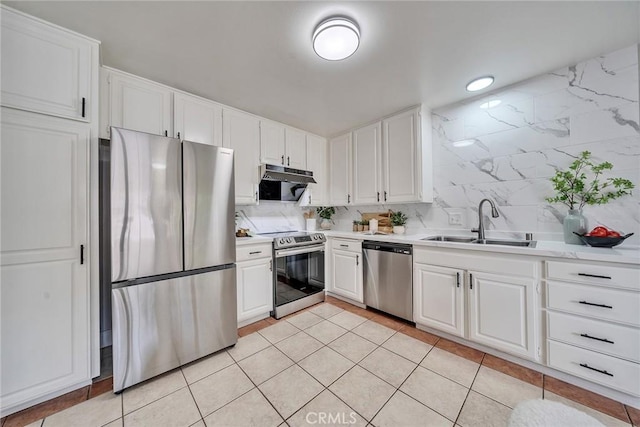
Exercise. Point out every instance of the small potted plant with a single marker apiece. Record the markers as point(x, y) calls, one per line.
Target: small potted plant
point(355, 225)
point(398, 220)
point(360, 226)
point(575, 190)
point(325, 213)
point(365, 225)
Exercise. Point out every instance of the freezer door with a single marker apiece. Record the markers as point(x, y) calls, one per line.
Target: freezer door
point(146, 205)
point(209, 206)
point(161, 325)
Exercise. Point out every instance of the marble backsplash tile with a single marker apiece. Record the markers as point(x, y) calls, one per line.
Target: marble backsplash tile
point(539, 126)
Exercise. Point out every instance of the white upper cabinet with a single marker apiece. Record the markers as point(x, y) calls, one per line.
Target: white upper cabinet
point(340, 170)
point(272, 145)
point(46, 69)
point(197, 119)
point(388, 162)
point(241, 132)
point(401, 157)
point(280, 145)
point(296, 148)
point(317, 194)
point(366, 148)
point(139, 104)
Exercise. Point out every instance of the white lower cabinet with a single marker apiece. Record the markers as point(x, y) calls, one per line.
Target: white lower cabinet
point(346, 269)
point(438, 298)
point(254, 278)
point(44, 313)
point(491, 299)
point(501, 312)
point(593, 327)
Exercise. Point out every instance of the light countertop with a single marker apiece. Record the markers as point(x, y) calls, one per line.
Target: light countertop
point(253, 240)
point(624, 254)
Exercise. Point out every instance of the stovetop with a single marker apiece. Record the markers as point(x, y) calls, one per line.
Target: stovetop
point(292, 239)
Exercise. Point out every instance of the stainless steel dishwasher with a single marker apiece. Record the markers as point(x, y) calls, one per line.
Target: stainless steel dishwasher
point(388, 273)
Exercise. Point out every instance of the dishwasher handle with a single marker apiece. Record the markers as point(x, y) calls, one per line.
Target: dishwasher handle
point(398, 248)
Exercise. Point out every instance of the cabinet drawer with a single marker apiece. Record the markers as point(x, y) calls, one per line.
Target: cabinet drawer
point(347, 245)
point(594, 301)
point(609, 371)
point(594, 274)
point(244, 253)
point(615, 340)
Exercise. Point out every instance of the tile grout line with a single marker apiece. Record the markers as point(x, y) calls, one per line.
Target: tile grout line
point(259, 391)
point(192, 396)
point(397, 389)
point(455, 422)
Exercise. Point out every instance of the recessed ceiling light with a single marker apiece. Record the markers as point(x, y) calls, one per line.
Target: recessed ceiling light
point(490, 104)
point(336, 39)
point(464, 143)
point(480, 83)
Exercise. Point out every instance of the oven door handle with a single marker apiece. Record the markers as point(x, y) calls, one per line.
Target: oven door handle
point(310, 249)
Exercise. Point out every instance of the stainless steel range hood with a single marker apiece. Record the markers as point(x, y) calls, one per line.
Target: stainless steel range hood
point(285, 174)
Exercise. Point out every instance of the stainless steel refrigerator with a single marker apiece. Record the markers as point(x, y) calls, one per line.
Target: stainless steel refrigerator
point(173, 278)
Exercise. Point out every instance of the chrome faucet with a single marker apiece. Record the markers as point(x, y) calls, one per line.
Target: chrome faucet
point(494, 214)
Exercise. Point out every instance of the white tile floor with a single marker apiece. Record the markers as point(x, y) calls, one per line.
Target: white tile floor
point(324, 366)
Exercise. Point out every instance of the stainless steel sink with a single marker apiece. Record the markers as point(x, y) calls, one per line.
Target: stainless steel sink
point(455, 239)
point(521, 243)
point(460, 239)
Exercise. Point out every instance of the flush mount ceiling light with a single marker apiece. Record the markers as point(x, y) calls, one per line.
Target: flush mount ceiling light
point(464, 143)
point(336, 38)
point(479, 83)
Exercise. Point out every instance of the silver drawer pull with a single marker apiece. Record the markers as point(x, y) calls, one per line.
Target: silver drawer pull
point(596, 338)
point(594, 304)
point(597, 276)
point(344, 246)
point(255, 252)
point(584, 365)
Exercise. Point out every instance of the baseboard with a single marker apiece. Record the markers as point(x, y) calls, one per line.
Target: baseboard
point(563, 376)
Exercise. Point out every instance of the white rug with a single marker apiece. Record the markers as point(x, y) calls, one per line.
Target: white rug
point(546, 413)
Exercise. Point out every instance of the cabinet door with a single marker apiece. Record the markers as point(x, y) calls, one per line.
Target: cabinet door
point(197, 120)
point(400, 158)
point(501, 310)
point(340, 170)
point(272, 145)
point(296, 145)
point(317, 163)
point(44, 313)
point(241, 132)
point(438, 298)
point(45, 69)
point(141, 105)
point(346, 269)
point(255, 288)
point(366, 164)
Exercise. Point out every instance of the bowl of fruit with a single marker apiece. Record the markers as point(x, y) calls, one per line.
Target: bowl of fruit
point(602, 237)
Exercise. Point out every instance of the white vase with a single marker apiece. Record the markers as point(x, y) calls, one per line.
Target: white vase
point(398, 229)
point(325, 224)
point(311, 224)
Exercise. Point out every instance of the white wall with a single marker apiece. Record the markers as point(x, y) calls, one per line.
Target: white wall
point(540, 125)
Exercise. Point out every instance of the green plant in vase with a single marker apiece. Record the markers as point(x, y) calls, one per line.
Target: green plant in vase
point(325, 213)
point(583, 184)
point(398, 220)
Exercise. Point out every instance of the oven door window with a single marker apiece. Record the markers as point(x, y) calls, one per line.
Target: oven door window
point(299, 276)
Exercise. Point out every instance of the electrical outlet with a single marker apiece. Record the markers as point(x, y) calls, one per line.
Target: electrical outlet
point(455, 218)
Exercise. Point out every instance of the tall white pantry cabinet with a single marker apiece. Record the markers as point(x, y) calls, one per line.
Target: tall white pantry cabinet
point(48, 140)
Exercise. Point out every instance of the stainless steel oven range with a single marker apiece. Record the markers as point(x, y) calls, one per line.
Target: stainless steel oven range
point(299, 273)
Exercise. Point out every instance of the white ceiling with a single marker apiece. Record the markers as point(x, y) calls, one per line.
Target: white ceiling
point(257, 56)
